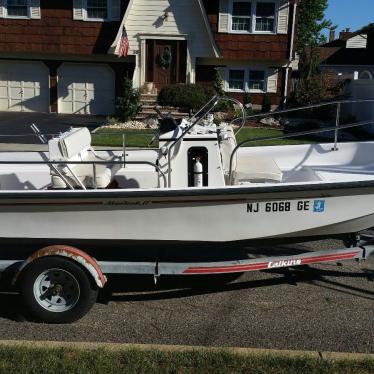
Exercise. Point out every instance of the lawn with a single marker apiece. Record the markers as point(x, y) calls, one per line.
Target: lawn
point(141, 138)
point(22, 360)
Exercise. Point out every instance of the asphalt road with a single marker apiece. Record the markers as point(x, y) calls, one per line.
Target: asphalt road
point(323, 308)
point(15, 126)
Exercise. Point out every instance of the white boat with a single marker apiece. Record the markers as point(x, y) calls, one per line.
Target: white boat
point(198, 186)
point(72, 215)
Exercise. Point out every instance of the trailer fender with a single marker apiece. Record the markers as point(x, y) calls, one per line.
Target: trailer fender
point(72, 253)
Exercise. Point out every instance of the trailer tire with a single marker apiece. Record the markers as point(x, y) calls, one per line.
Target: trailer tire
point(57, 290)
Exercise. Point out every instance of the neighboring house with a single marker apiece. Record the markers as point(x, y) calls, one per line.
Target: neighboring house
point(351, 56)
point(62, 55)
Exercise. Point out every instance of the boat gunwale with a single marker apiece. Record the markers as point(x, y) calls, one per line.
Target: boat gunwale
point(227, 193)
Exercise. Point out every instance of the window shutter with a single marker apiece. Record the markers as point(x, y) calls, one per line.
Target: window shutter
point(272, 81)
point(77, 9)
point(283, 14)
point(115, 10)
point(223, 19)
point(2, 8)
point(35, 9)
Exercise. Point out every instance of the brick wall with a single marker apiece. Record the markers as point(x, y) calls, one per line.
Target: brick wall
point(57, 33)
point(241, 47)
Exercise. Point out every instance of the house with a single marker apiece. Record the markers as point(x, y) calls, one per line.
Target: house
point(350, 59)
point(63, 55)
point(350, 56)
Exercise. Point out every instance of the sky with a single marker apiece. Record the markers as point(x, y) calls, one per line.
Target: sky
point(350, 13)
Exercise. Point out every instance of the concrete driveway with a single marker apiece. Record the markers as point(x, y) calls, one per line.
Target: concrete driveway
point(14, 126)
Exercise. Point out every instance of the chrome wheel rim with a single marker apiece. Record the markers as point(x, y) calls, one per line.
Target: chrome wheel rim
point(56, 290)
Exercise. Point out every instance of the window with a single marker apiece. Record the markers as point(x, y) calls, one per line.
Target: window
point(241, 16)
point(256, 80)
point(236, 80)
point(265, 17)
point(255, 16)
point(97, 9)
point(17, 8)
point(246, 80)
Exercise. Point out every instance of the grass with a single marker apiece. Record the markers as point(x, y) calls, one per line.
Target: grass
point(141, 138)
point(22, 360)
point(113, 137)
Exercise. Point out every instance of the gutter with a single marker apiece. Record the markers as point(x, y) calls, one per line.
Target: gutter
point(290, 57)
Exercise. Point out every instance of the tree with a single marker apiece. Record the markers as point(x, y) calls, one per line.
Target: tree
point(313, 85)
point(311, 24)
point(310, 35)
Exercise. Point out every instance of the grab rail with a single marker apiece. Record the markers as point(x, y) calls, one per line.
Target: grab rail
point(293, 135)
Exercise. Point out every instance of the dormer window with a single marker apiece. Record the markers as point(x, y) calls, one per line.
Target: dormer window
point(253, 16)
point(17, 8)
point(97, 9)
point(241, 16)
point(265, 16)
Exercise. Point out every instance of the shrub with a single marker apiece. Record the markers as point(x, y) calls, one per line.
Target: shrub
point(266, 104)
point(247, 98)
point(128, 105)
point(186, 96)
point(218, 84)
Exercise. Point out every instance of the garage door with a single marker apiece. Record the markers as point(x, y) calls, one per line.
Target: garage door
point(86, 89)
point(24, 87)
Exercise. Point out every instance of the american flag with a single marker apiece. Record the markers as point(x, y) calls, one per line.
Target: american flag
point(124, 44)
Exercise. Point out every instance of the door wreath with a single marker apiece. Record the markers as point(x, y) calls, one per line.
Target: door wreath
point(165, 58)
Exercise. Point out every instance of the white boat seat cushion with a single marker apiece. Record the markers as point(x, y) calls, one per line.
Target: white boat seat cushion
point(85, 175)
point(256, 170)
point(75, 142)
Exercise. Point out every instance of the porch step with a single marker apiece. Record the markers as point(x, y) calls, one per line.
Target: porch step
point(149, 101)
point(146, 113)
point(148, 97)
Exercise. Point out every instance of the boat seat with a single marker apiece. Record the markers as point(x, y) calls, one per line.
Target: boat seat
point(257, 169)
point(252, 169)
point(75, 146)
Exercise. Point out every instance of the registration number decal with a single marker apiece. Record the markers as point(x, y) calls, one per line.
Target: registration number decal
point(315, 206)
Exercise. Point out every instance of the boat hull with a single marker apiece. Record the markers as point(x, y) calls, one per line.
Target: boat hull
point(194, 215)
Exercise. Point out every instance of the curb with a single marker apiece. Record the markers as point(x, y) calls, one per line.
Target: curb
point(116, 347)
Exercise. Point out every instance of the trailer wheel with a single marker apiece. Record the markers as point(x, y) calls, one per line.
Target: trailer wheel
point(57, 290)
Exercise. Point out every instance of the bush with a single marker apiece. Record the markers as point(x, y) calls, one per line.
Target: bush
point(128, 105)
point(266, 104)
point(247, 98)
point(186, 96)
point(218, 84)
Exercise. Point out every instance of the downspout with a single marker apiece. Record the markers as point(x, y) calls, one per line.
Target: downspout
point(290, 57)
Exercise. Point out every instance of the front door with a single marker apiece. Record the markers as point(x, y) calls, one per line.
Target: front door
point(166, 62)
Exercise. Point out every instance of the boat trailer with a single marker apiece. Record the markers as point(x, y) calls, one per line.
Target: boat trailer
point(360, 252)
point(48, 284)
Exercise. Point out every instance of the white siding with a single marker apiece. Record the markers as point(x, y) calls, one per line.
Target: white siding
point(184, 17)
point(358, 41)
